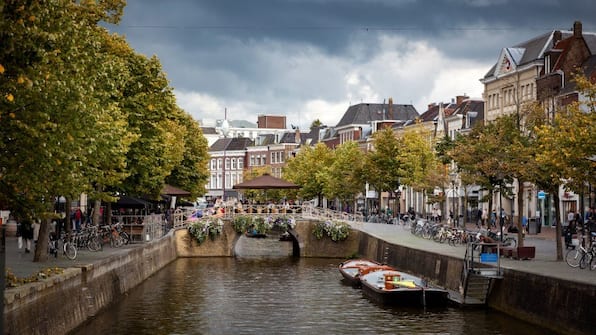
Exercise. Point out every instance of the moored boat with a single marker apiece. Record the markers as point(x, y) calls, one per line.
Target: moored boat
point(391, 287)
point(353, 269)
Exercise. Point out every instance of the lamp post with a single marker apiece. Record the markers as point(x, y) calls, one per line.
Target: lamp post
point(225, 130)
point(453, 177)
point(398, 194)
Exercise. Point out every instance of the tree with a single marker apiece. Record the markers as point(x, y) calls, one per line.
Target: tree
point(382, 169)
point(307, 169)
point(344, 176)
point(150, 105)
point(192, 172)
point(47, 105)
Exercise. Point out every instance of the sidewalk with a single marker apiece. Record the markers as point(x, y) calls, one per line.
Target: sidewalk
point(21, 264)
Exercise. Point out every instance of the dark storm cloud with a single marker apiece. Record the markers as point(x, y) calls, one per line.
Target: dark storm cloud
point(242, 49)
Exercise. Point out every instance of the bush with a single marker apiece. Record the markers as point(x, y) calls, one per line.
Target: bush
point(202, 228)
point(337, 231)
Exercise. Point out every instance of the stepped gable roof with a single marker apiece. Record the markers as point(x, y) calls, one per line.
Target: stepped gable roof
point(363, 113)
point(231, 143)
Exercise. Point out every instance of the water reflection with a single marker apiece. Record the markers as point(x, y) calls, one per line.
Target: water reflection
point(276, 296)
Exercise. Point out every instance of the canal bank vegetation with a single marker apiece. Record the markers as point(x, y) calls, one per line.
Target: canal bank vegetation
point(12, 280)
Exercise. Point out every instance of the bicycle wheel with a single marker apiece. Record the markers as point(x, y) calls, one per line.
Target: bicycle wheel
point(573, 257)
point(593, 263)
point(125, 237)
point(585, 260)
point(117, 241)
point(70, 250)
point(94, 244)
point(512, 242)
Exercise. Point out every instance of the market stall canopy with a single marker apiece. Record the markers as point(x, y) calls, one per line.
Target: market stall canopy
point(172, 190)
point(125, 201)
point(265, 182)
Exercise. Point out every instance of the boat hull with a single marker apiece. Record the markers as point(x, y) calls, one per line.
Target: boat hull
point(398, 297)
point(350, 270)
point(390, 287)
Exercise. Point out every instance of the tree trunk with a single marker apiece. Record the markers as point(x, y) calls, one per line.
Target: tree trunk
point(96, 212)
point(41, 247)
point(67, 220)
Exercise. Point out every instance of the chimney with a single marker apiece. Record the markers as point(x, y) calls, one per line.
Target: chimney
point(557, 36)
point(577, 29)
point(390, 109)
point(297, 136)
point(461, 98)
point(431, 105)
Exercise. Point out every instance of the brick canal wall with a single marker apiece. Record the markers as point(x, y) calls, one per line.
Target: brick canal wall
point(61, 303)
point(560, 305)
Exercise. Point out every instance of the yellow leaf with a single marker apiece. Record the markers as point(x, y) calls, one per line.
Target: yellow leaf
point(20, 80)
point(32, 18)
point(12, 115)
point(10, 97)
point(1, 68)
point(150, 107)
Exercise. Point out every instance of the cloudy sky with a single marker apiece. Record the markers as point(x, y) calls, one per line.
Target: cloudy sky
point(312, 59)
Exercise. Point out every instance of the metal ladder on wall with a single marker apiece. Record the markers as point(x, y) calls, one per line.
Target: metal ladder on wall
point(481, 269)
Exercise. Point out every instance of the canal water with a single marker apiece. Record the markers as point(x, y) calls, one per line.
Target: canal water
point(276, 296)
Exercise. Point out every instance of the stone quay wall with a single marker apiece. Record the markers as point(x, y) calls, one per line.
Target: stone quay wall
point(61, 303)
point(560, 305)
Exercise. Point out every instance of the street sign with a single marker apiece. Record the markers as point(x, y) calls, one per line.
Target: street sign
point(541, 195)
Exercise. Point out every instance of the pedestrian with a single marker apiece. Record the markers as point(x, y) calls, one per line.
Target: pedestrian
point(36, 226)
point(478, 218)
point(493, 219)
point(78, 219)
point(485, 217)
point(26, 232)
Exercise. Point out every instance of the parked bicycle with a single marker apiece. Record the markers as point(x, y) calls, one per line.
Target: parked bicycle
point(63, 243)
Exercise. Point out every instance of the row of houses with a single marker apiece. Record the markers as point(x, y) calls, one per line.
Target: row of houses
point(539, 69)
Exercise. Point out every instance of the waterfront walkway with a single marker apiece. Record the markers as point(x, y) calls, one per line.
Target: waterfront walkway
point(22, 265)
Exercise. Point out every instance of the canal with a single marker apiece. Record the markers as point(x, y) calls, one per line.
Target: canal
point(276, 296)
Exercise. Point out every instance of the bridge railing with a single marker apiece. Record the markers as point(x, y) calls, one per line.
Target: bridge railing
point(306, 211)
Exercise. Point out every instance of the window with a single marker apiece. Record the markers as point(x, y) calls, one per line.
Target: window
point(227, 163)
point(233, 163)
point(213, 183)
point(263, 159)
point(252, 161)
point(212, 164)
point(218, 181)
point(273, 160)
point(240, 163)
point(228, 180)
point(219, 164)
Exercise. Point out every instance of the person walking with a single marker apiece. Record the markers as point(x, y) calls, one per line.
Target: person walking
point(485, 217)
point(26, 227)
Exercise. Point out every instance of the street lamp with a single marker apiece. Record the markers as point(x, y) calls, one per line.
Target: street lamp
point(398, 195)
point(453, 177)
